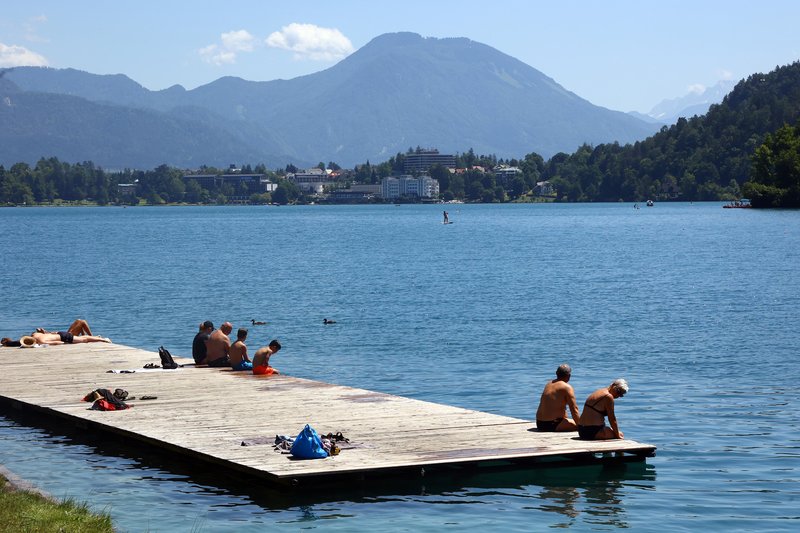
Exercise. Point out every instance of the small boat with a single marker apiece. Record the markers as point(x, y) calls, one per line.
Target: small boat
point(742, 203)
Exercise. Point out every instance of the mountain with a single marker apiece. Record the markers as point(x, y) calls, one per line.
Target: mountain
point(398, 91)
point(691, 104)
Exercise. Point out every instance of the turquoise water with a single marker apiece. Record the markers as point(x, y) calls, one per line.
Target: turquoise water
point(695, 305)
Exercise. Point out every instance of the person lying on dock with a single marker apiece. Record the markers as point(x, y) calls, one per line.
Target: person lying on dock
point(261, 358)
point(556, 397)
point(78, 332)
point(199, 352)
point(218, 346)
point(65, 337)
point(238, 352)
point(598, 406)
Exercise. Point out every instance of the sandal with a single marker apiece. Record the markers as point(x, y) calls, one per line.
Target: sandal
point(151, 365)
point(146, 397)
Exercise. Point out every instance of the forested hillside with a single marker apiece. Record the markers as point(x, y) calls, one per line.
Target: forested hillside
point(700, 158)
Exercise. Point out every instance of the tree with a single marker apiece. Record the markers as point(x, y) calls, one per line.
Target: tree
point(194, 192)
point(775, 178)
point(280, 195)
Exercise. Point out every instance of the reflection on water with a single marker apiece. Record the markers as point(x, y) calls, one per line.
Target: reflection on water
point(696, 306)
point(177, 493)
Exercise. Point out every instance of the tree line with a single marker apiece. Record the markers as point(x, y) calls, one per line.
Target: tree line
point(709, 157)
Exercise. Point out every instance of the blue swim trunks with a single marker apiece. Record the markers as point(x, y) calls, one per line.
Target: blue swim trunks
point(244, 365)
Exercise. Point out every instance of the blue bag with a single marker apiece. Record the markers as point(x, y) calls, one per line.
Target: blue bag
point(308, 445)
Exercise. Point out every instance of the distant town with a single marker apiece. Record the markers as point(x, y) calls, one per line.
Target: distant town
point(418, 176)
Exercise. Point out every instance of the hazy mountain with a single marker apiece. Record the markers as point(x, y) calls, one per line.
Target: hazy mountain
point(693, 103)
point(398, 91)
point(39, 125)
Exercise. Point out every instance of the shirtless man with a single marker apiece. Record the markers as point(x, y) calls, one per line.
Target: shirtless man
point(77, 333)
point(598, 406)
point(65, 337)
point(556, 397)
point(218, 346)
point(261, 358)
point(238, 352)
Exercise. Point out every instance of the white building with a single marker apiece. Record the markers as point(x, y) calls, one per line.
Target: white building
point(504, 173)
point(312, 179)
point(421, 187)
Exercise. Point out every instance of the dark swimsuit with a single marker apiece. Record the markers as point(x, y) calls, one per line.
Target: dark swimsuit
point(548, 425)
point(590, 432)
point(66, 337)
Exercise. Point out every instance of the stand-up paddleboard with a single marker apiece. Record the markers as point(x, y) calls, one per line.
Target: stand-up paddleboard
point(447, 222)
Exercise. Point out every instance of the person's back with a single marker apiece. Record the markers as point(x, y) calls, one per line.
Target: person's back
point(599, 405)
point(238, 352)
point(556, 397)
point(262, 356)
point(199, 350)
point(218, 346)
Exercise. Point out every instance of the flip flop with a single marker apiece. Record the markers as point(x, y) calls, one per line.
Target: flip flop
point(151, 365)
point(146, 397)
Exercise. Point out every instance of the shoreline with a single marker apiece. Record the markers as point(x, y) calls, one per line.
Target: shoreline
point(16, 483)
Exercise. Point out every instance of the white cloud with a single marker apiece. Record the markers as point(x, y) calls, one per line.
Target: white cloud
point(697, 88)
point(19, 56)
point(231, 44)
point(724, 74)
point(308, 41)
point(239, 41)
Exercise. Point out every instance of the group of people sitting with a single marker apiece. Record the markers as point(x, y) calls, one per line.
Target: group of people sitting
point(78, 332)
point(558, 395)
point(214, 348)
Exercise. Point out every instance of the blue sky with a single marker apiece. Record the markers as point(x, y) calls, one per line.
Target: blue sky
point(624, 55)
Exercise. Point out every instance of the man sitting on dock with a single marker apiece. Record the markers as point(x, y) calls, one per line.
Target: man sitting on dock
point(261, 358)
point(556, 397)
point(199, 351)
point(219, 345)
point(238, 352)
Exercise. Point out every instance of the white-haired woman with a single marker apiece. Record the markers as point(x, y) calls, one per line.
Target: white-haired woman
point(599, 406)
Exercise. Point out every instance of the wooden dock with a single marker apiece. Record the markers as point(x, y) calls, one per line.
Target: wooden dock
point(206, 414)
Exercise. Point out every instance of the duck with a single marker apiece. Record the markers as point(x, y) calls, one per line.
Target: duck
point(326, 321)
point(257, 323)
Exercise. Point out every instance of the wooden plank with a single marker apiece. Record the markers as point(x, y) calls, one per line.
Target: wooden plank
point(190, 415)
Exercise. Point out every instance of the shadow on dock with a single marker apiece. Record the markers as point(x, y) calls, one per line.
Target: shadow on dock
point(597, 479)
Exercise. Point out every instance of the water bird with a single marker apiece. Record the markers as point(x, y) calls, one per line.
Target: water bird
point(257, 323)
point(326, 321)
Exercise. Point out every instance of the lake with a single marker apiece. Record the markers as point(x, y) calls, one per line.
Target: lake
point(696, 306)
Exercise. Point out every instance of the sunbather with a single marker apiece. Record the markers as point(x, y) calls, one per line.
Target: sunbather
point(77, 333)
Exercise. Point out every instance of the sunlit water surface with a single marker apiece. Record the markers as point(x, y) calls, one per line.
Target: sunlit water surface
point(695, 305)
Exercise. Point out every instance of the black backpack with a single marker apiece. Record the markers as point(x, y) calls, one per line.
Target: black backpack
point(167, 362)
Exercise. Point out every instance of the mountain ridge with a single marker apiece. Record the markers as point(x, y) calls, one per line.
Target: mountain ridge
point(397, 91)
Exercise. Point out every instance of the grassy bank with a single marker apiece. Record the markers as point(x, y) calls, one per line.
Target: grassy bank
point(22, 510)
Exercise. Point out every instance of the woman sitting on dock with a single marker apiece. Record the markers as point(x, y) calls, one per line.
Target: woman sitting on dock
point(598, 406)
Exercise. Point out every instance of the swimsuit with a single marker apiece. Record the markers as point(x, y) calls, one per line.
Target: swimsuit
point(589, 432)
point(595, 409)
point(263, 370)
point(548, 425)
point(244, 365)
point(66, 337)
